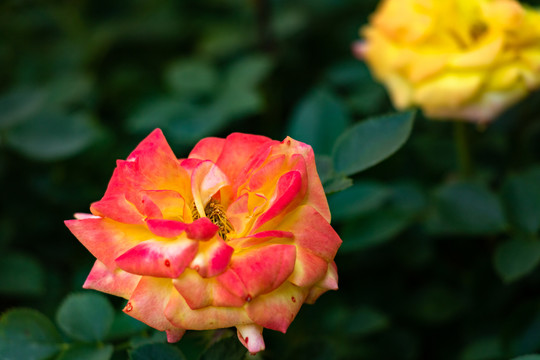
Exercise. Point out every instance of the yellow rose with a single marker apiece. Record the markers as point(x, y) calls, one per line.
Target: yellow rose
point(456, 59)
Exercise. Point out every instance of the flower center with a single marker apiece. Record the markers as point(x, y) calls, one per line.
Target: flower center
point(216, 214)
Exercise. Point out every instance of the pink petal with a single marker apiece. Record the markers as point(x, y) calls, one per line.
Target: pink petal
point(212, 258)
point(174, 335)
point(117, 208)
point(267, 174)
point(107, 239)
point(150, 209)
point(260, 238)
point(166, 228)
point(180, 315)
point(288, 193)
point(251, 337)
point(170, 203)
point(149, 301)
point(308, 269)
point(201, 229)
point(199, 292)
point(276, 310)
point(238, 150)
point(116, 282)
point(159, 165)
point(152, 165)
point(315, 195)
point(206, 180)
point(329, 282)
point(313, 232)
point(82, 216)
point(264, 269)
point(159, 258)
point(208, 149)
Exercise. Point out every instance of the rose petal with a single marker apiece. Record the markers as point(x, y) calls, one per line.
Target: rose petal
point(166, 228)
point(288, 192)
point(206, 180)
point(277, 309)
point(159, 258)
point(201, 229)
point(170, 203)
point(212, 258)
point(107, 239)
point(152, 165)
point(312, 232)
point(199, 292)
point(117, 208)
point(308, 268)
point(329, 282)
point(180, 315)
point(263, 269)
point(116, 282)
point(260, 238)
point(209, 148)
point(251, 337)
point(174, 335)
point(237, 151)
point(315, 195)
point(148, 302)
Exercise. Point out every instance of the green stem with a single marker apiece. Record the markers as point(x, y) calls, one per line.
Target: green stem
point(463, 149)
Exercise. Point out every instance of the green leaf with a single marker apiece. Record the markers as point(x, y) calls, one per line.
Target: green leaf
point(373, 229)
point(361, 321)
point(88, 352)
point(528, 357)
point(156, 352)
point(86, 317)
point(325, 167)
point(53, 136)
point(521, 196)
point(236, 102)
point(403, 202)
point(191, 78)
point(361, 198)
point(318, 120)
point(516, 258)
point(228, 348)
point(159, 113)
point(466, 208)
point(21, 275)
point(192, 127)
point(27, 334)
point(248, 72)
point(337, 183)
point(483, 349)
point(18, 105)
point(124, 326)
point(437, 304)
point(371, 141)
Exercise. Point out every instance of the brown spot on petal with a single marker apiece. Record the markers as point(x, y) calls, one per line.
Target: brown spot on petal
point(293, 299)
point(246, 339)
point(128, 307)
point(167, 263)
point(248, 298)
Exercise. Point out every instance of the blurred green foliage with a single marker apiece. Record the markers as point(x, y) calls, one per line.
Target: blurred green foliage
point(434, 265)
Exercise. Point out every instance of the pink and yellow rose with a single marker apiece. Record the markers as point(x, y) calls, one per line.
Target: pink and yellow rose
point(456, 59)
point(237, 234)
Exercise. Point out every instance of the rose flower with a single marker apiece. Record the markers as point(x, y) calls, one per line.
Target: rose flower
point(237, 234)
point(456, 59)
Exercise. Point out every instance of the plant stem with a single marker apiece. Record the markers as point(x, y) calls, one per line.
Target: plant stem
point(463, 149)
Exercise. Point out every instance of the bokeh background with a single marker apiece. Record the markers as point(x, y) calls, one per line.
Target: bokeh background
point(434, 265)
